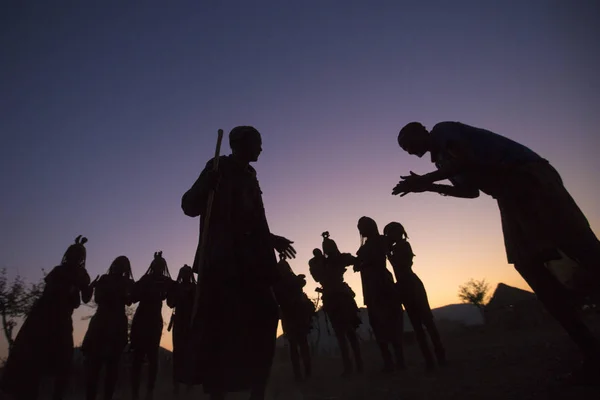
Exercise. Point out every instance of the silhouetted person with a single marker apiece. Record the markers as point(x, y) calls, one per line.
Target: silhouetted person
point(539, 217)
point(237, 307)
point(147, 324)
point(181, 300)
point(297, 312)
point(379, 293)
point(412, 293)
point(338, 299)
point(44, 344)
point(106, 336)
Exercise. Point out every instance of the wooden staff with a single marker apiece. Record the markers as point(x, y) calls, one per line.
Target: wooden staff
point(205, 227)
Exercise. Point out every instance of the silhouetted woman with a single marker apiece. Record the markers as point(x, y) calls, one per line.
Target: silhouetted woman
point(106, 336)
point(338, 299)
point(44, 344)
point(296, 312)
point(412, 293)
point(379, 293)
point(181, 300)
point(147, 324)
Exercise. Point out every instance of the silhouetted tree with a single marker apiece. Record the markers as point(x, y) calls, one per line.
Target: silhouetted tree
point(475, 292)
point(16, 300)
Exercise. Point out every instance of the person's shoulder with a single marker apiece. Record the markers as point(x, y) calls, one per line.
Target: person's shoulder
point(223, 161)
point(446, 127)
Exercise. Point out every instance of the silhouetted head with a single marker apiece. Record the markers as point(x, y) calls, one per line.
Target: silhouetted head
point(317, 253)
point(329, 246)
point(245, 143)
point(186, 275)
point(75, 254)
point(395, 232)
point(414, 139)
point(121, 266)
point(367, 227)
point(158, 266)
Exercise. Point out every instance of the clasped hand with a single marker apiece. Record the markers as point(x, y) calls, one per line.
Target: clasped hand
point(412, 183)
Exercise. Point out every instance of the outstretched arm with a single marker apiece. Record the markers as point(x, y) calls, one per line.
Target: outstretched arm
point(283, 245)
point(464, 192)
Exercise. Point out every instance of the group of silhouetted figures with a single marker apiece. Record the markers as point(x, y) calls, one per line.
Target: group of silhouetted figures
point(225, 324)
point(44, 345)
point(68, 284)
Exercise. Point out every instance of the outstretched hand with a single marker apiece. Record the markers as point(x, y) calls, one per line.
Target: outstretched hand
point(412, 183)
point(283, 245)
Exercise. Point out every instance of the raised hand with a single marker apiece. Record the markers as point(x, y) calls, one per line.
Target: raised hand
point(283, 245)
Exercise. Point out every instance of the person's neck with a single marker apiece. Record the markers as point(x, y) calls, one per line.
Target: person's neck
point(239, 159)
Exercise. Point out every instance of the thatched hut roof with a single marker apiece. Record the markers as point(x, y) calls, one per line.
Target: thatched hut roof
point(506, 296)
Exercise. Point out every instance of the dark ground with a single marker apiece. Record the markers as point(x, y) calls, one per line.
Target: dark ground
point(517, 364)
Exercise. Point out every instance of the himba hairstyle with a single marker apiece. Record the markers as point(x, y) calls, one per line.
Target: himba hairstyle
point(186, 269)
point(121, 266)
point(329, 246)
point(395, 227)
point(370, 224)
point(159, 265)
point(76, 254)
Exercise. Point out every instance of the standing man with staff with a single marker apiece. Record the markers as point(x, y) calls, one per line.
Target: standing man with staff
point(235, 323)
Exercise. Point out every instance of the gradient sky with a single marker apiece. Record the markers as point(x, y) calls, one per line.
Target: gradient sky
point(109, 110)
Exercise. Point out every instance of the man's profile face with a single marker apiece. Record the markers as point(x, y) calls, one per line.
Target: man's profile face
point(415, 143)
point(254, 148)
point(250, 147)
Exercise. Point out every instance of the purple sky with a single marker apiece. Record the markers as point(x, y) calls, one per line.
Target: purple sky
point(109, 112)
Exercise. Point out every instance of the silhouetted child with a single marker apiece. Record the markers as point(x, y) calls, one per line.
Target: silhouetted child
point(296, 311)
point(328, 268)
point(44, 344)
point(107, 334)
point(147, 324)
point(181, 300)
point(412, 293)
point(380, 296)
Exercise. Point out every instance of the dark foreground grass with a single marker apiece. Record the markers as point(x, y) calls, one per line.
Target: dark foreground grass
point(519, 364)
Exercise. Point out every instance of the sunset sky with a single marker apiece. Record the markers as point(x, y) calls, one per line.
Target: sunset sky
point(109, 111)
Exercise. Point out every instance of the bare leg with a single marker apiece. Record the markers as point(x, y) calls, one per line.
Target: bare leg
point(438, 347)
point(399, 353)
point(110, 379)
point(61, 382)
point(136, 370)
point(341, 338)
point(152, 371)
point(295, 357)
point(388, 364)
point(353, 339)
point(559, 304)
point(305, 353)
point(92, 371)
point(417, 324)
